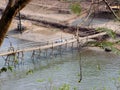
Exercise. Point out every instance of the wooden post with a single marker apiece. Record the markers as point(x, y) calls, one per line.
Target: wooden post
point(22, 58)
point(66, 45)
point(46, 52)
point(52, 50)
point(15, 61)
point(60, 48)
point(80, 62)
point(33, 56)
point(72, 47)
point(6, 60)
point(18, 58)
point(18, 55)
point(46, 49)
point(19, 23)
point(39, 54)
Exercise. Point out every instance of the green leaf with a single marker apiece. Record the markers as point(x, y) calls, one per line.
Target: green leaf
point(76, 8)
point(3, 69)
point(10, 68)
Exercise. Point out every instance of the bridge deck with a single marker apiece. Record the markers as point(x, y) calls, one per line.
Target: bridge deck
point(52, 45)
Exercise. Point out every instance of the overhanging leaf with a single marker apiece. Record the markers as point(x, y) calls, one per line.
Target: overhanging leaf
point(76, 8)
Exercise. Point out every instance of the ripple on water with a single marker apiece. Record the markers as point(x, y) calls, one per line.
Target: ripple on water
point(100, 72)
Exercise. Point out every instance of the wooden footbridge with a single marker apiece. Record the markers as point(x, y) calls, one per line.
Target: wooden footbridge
point(14, 55)
point(49, 45)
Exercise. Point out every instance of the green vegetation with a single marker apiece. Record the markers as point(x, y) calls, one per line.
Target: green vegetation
point(65, 87)
point(40, 80)
point(101, 44)
point(98, 67)
point(29, 72)
point(76, 8)
point(5, 69)
point(104, 44)
point(16, 60)
point(110, 32)
point(10, 68)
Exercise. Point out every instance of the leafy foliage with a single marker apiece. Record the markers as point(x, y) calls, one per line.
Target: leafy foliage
point(110, 32)
point(10, 68)
point(105, 44)
point(29, 72)
point(3, 69)
point(76, 8)
point(101, 44)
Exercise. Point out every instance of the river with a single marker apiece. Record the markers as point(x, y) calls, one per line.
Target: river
point(100, 71)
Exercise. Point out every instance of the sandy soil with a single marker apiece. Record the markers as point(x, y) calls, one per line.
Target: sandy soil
point(34, 32)
point(40, 33)
point(37, 33)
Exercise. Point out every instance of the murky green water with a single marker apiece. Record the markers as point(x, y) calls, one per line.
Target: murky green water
point(100, 70)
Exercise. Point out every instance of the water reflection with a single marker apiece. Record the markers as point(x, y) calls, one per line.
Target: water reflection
point(55, 72)
point(101, 71)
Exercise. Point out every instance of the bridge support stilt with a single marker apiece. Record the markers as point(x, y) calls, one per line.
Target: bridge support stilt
point(33, 56)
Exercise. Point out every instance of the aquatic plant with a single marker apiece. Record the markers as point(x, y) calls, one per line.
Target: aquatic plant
point(29, 72)
point(64, 87)
point(74, 88)
point(40, 80)
point(10, 68)
point(3, 69)
point(98, 67)
point(94, 88)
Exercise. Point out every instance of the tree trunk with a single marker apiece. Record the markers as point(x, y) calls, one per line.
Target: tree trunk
point(12, 8)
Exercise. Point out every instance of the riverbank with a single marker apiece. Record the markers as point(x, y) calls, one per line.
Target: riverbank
point(57, 68)
point(42, 33)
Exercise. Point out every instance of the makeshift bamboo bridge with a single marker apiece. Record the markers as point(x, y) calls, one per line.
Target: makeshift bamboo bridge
point(14, 55)
point(50, 45)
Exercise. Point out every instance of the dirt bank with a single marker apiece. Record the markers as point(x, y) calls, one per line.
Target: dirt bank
point(39, 33)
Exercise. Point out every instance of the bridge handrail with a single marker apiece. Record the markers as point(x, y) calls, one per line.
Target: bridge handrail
point(31, 44)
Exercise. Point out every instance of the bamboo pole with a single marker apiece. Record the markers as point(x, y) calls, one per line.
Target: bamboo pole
point(52, 45)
